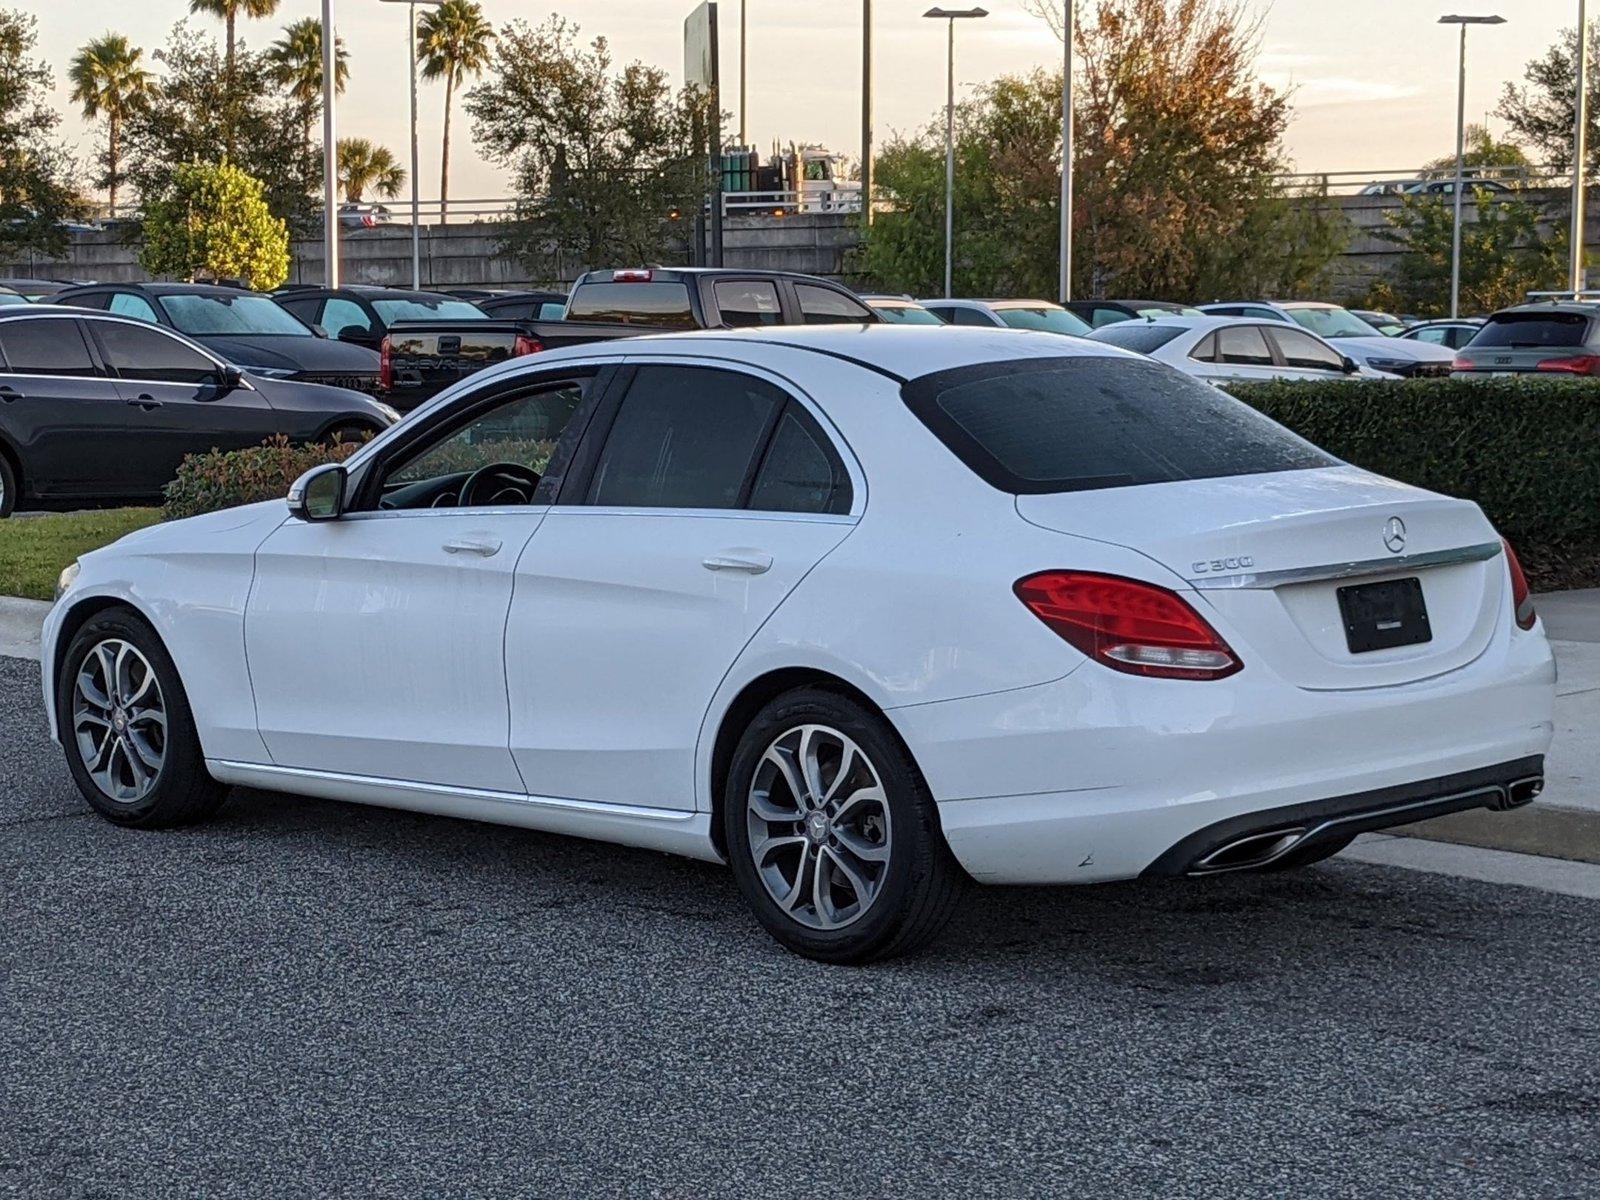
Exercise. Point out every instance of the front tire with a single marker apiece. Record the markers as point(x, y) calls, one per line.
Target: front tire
point(832, 833)
point(127, 727)
point(8, 488)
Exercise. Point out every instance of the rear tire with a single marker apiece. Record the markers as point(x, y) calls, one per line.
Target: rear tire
point(127, 728)
point(8, 488)
point(832, 833)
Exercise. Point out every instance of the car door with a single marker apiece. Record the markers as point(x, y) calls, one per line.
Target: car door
point(1242, 353)
point(178, 399)
point(1305, 356)
point(66, 418)
point(376, 642)
point(708, 496)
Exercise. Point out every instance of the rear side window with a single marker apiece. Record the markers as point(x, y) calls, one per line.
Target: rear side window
point(1137, 336)
point(800, 473)
point(743, 303)
point(824, 306)
point(1243, 345)
point(49, 347)
point(685, 437)
point(1533, 329)
point(1077, 424)
point(665, 304)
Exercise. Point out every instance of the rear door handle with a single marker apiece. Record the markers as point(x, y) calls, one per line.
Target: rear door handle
point(8, 394)
point(484, 547)
point(145, 401)
point(748, 562)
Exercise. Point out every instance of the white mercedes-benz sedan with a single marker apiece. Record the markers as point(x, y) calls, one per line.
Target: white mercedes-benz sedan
point(861, 611)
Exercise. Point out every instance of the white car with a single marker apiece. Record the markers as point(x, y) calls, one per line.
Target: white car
point(861, 610)
point(1008, 314)
point(1352, 335)
point(1234, 349)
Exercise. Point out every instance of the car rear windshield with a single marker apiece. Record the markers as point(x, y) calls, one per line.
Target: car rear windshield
point(661, 304)
point(1077, 424)
point(1136, 335)
point(1534, 329)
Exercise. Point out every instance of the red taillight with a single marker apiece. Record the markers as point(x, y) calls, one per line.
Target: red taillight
point(1581, 364)
point(526, 345)
point(1463, 363)
point(632, 275)
point(368, 221)
point(1128, 626)
point(386, 365)
point(1521, 597)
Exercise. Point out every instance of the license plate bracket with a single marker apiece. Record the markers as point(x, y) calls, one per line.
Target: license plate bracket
point(1381, 616)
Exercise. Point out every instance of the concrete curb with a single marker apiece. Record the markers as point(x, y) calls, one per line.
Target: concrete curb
point(20, 622)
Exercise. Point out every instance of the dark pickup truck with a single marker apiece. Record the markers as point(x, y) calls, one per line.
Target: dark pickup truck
point(423, 353)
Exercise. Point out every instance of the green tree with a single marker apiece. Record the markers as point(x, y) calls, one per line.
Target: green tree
point(454, 43)
point(1482, 151)
point(1505, 253)
point(229, 11)
point(600, 158)
point(1539, 111)
point(295, 60)
point(198, 113)
point(36, 189)
point(363, 165)
point(109, 80)
point(213, 223)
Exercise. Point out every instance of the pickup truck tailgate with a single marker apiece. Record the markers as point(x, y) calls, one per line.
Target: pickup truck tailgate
point(421, 358)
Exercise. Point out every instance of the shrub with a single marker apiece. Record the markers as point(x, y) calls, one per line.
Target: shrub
point(1525, 448)
point(218, 479)
point(214, 223)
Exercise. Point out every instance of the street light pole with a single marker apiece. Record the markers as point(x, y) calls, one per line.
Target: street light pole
point(416, 202)
point(330, 151)
point(952, 16)
point(1066, 155)
point(744, 73)
point(1580, 131)
point(866, 111)
point(1461, 149)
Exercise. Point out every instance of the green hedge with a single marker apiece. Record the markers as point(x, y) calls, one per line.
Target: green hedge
point(224, 479)
point(1527, 449)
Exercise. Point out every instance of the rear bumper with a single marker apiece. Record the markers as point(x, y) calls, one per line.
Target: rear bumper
point(1099, 777)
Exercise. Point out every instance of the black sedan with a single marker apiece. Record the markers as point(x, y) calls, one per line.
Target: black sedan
point(241, 327)
point(97, 409)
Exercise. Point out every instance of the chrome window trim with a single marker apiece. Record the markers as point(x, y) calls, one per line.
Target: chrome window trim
point(1481, 552)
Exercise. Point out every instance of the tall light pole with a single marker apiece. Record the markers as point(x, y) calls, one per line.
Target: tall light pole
point(866, 111)
point(1580, 132)
point(952, 15)
point(744, 72)
point(1461, 149)
point(1066, 155)
point(330, 150)
point(416, 203)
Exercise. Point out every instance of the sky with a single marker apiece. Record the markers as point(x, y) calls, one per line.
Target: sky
point(1373, 82)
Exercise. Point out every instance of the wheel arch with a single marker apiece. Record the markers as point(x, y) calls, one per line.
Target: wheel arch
point(80, 614)
point(750, 700)
point(13, 457)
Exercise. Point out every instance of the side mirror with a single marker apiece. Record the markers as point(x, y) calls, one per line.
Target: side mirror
point(358, 334)
point(1351, 367)
point(318, 495)
point(229, 379)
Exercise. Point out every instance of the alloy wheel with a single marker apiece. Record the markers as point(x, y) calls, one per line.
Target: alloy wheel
point(119, 720)
point(819, 827)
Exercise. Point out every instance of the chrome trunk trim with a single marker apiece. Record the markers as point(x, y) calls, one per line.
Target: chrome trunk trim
point(1350, 570)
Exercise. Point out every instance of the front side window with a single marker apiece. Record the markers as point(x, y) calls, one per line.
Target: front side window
point(45, 347)
point(1434, 337)
point(747, 303)
point(135, 352)
point(824, 306)
point(800, 474)
point(1243, 345)
point(685, 437)
point(126, 304)
point(1078, 424)
point(519, 436)
point(224, 315)
point(340, 314)
point(1303, 350)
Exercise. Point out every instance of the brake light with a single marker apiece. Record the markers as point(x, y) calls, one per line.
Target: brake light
point(386, 365)
point(1521, 597)
point(1463, 363)
point(632, 275)
point(1129, 626)
point(526, 345)
point(1582, 364)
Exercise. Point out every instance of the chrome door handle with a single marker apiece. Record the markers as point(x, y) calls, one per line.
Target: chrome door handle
point(747, 563)
point(482, 547)
point(8, 394)
point(145, 401)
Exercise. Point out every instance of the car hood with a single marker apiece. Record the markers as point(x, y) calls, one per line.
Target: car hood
point(294, 353)
point(1364, 349)
point(248, 523)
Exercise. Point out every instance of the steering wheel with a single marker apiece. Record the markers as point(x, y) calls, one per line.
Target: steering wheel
point(498, 485)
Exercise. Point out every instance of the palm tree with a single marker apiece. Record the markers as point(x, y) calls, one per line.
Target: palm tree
point(453, 45)
point(363, 165)
point(230, 11)
point(109, 81)
point(296, 60)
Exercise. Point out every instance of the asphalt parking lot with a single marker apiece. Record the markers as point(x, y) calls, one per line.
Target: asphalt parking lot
point(307, 998)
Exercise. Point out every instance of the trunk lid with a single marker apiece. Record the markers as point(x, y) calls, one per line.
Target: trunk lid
point(1267, 555)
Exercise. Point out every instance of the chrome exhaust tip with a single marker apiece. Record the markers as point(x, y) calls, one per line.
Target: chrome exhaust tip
point(1248, 853)
point(1523, 791)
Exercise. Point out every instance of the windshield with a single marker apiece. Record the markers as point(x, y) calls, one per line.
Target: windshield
point(428, 309)
point(1332, 322)
point(1139, 336)
point(228, 316)
point(1047, 318)
point(906, 314)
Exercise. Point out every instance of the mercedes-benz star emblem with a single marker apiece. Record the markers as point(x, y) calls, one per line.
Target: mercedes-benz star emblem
point(1394, 535)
